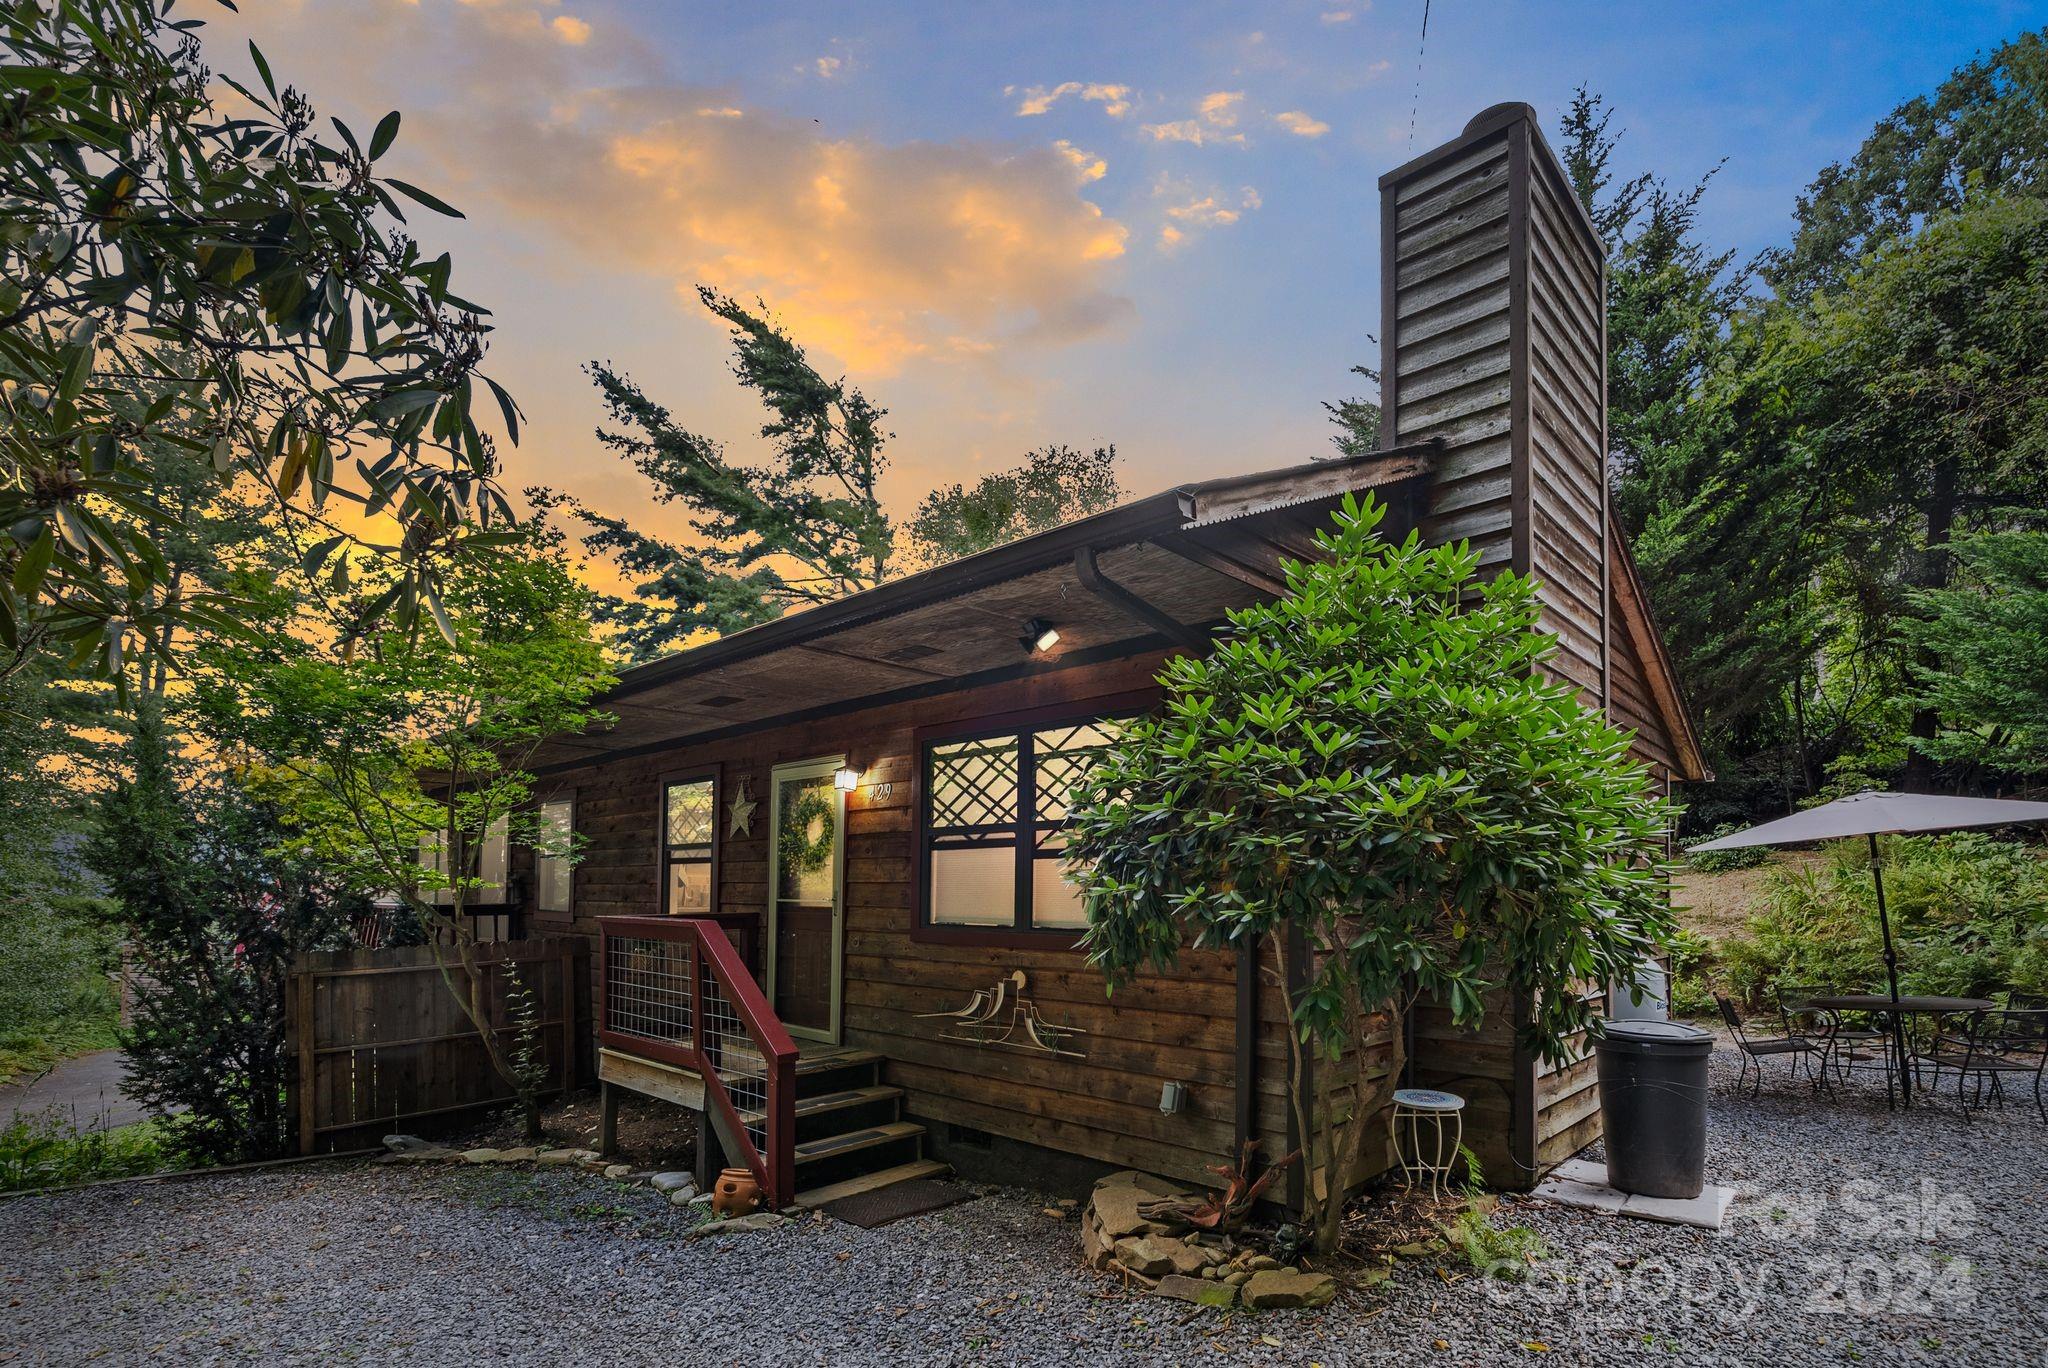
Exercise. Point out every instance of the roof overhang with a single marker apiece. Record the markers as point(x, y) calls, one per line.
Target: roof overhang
point(1153, 574)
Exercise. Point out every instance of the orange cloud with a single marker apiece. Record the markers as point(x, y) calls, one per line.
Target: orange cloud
point(570, 29)
point(1193, 210)
point(1114, 99)
point(1086, 164)
point(1192, 133)
point(876, 252)
point(1300, 124)
point(1220, 108)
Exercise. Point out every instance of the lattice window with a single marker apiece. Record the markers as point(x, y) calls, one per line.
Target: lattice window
point(974, 784)
point(690, 836)
point(995, 810)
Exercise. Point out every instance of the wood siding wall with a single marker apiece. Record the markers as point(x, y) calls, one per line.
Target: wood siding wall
point(1179, 1025)
point(1495, 324)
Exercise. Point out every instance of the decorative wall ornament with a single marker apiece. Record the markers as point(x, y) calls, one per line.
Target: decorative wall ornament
point(1004, 1016)
point(741, 811)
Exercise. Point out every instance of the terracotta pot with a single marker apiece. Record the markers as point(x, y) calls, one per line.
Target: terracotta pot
point(735, 1193)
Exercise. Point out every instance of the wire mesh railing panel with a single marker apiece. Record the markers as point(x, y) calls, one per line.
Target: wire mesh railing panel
point(732, 1053)
point(647, 989)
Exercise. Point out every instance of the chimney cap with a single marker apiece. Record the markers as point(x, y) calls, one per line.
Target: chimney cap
point(1503, 113)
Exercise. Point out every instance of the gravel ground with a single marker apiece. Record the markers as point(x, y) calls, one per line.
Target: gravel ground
point(1859, 1237)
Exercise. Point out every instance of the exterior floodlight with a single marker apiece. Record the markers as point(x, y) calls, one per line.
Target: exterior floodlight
point(1040, 636)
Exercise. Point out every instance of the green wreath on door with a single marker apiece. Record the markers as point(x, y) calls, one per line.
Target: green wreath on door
point(798, 850)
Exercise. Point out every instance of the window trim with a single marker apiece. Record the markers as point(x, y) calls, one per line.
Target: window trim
point(568, 909)
point(1014, 936)
point(662, 784)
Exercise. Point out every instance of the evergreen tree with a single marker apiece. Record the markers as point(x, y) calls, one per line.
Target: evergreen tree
point(213, 916)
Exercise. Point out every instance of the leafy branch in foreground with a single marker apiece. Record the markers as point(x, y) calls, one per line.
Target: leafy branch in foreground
point(254, 276)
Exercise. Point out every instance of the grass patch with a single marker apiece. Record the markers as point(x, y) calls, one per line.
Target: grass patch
point(57, 998)
point(49, 1149)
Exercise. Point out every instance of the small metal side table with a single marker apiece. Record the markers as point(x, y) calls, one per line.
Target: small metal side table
point(1424, 1146)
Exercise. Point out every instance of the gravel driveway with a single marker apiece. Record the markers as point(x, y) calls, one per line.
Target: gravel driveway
point(1860, 1238)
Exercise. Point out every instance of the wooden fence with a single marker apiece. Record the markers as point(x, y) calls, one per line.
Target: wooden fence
point(380, 1043)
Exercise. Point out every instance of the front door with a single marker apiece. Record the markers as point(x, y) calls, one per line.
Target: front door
point(806, 868)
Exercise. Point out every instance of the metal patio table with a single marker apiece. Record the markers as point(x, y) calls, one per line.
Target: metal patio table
point(1893, 1011)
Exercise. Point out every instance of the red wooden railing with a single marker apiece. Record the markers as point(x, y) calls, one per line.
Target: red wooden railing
point(674, 990)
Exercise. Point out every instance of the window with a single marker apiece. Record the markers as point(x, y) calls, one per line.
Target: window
point(554, 874)
point(690, 846)
point(995, 814)
point(489, 867)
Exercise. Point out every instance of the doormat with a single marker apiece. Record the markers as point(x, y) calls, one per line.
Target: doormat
point(913, 1197)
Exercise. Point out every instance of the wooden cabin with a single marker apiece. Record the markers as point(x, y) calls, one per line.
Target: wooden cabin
point(821, 855)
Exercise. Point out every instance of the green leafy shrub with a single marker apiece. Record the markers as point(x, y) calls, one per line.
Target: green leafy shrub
point(49, 1149)
point(1718, 861)
point(1372, 774)
point(1494, 1252)
point(1969, 914)
point(1693, 961)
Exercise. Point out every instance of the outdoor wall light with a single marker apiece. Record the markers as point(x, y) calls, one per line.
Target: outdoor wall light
point(846, 778)
point(1040, 636)
point(1172, 1097)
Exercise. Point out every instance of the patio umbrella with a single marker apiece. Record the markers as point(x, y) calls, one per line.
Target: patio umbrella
point(1871, 815)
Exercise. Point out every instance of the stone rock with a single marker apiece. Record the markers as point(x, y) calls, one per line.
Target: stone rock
point(617, 1170)
point(1095, 1250)
point(753, 1220)
point(1260, 1263)
point(702, 1199)
point(671, 1181)
point(1213, 1273)
point(480, 1156)
point(1148, 1254)
point(1276, 1289)
point(519, 1154)
point(408, 1144)
point(684, 1196)
point(1196, 1291)
point(1238, 1277)
point(1187, 1260)
point(1116, 1200)
point(566, 1156)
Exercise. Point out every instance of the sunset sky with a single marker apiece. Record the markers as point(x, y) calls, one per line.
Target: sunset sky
point(1147, 224)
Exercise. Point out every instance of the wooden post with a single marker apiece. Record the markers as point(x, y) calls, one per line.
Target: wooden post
point(565, 956)
point(308, 1082)
point(707, 1155)
point(607, 1119)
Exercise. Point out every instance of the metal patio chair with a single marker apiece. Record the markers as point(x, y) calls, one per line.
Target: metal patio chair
point(1994, 1046)
point(1845, 1046)
point(1755, 1049)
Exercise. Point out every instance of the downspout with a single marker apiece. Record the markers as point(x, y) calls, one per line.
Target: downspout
point(1117, 596)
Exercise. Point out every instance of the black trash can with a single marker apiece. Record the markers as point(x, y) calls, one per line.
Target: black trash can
point(1653, 1097)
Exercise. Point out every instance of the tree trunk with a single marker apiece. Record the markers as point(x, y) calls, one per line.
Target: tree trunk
point(1933, 570)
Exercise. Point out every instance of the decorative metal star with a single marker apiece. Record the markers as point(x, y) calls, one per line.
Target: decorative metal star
point(741, 809)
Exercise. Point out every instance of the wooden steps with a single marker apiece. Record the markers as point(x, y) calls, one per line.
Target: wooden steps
point(871, 1182)
point(850, 1133)
point(852, 1142)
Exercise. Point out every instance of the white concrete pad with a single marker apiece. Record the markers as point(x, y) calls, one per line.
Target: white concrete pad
point(1583, 1183)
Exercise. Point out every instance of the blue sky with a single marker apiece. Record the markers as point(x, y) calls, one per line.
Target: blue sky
point(1148, 224)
